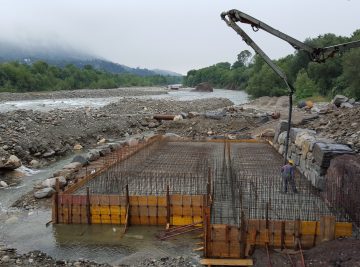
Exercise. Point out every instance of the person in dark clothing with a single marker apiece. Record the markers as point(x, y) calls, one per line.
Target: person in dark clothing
point(288, 176)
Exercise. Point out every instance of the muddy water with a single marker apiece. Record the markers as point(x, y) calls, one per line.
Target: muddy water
point(27, 230)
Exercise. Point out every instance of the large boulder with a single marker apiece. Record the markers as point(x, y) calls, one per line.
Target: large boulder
point(80, 159)
point(204, 87)
point(281, 127)
point(339, 99)
point(343, 185)
point(324, 153)
point(11, 163)
point(51, 182)
point(44, 193)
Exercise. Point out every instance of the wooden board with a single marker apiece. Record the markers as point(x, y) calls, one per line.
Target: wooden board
point(227, 262)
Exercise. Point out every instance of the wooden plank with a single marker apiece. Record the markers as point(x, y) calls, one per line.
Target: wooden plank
point(227, 262)
point(327, 228)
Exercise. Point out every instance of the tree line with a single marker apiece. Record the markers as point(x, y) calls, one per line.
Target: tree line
point(40, 76)
point(338, 75)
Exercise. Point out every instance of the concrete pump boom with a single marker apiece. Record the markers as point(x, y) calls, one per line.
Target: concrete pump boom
point(316, 54)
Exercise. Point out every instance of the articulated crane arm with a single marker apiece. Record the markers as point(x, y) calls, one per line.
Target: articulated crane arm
point(316, 54)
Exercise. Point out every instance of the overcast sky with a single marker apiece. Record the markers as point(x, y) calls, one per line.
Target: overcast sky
point(176, 35)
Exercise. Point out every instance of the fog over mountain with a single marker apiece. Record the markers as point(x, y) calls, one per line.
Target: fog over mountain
point(62, 55)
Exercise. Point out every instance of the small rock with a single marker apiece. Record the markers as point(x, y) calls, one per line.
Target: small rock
point(34, 163)
point(193, 114)
point(177, 118)
point(12, 220)
point(132, 142)
point(354, 124)
point(73, 166)
point(78, 147)
point(49, 153)
point(152, 125)
point(3, 184)
point(6, 258)
point(101, 141)
point(346, 105)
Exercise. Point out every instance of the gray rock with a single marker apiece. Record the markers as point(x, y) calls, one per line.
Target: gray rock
point(3, 184)
point(193, 114)
point(49, 153)
point(215, 115)
point(12, 163)
point(104, 150)
point(92, 155)
point(338, 99)
point(44, 193)
point(5, 258)
point(346, 105)
point(51, 182)
point(34, 163)
point(80, 159)
point(323, 153)
point(73, 166)
point(281, 127)
point(282, 138)
point(351, 101)
point(115, 146)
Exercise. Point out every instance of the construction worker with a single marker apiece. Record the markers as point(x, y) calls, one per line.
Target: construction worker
point(288, 176)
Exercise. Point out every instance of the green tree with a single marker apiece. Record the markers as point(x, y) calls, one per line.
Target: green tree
point(304, 86)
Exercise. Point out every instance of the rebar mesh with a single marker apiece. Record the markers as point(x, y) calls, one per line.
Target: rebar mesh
point(252, 183)
point(184, 167)
point(244, 177)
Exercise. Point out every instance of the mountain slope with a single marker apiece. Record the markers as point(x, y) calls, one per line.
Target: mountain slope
point(61, 56)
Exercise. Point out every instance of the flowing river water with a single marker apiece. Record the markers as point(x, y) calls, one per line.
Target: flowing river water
point(26, 230)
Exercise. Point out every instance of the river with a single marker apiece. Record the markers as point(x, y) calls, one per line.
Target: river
point(186, 94)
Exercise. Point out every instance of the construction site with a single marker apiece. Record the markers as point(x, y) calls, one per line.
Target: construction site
point(230, 191)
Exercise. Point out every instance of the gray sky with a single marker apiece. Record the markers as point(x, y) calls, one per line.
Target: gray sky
point(169, 34)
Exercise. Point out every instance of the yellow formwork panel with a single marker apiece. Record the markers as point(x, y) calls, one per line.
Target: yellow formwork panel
point(308, 228)
point(184, 220)
point(117, 210)
point(343, 229)
point(103, 210)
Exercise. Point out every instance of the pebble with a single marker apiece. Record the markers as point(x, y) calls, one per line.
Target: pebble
point(3, 184)
point(5, 258)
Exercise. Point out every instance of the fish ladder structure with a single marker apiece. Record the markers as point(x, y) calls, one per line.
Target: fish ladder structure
point(231, 190)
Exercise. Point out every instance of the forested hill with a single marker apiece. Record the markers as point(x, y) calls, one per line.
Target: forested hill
point(339, 75)
point(40, 76)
